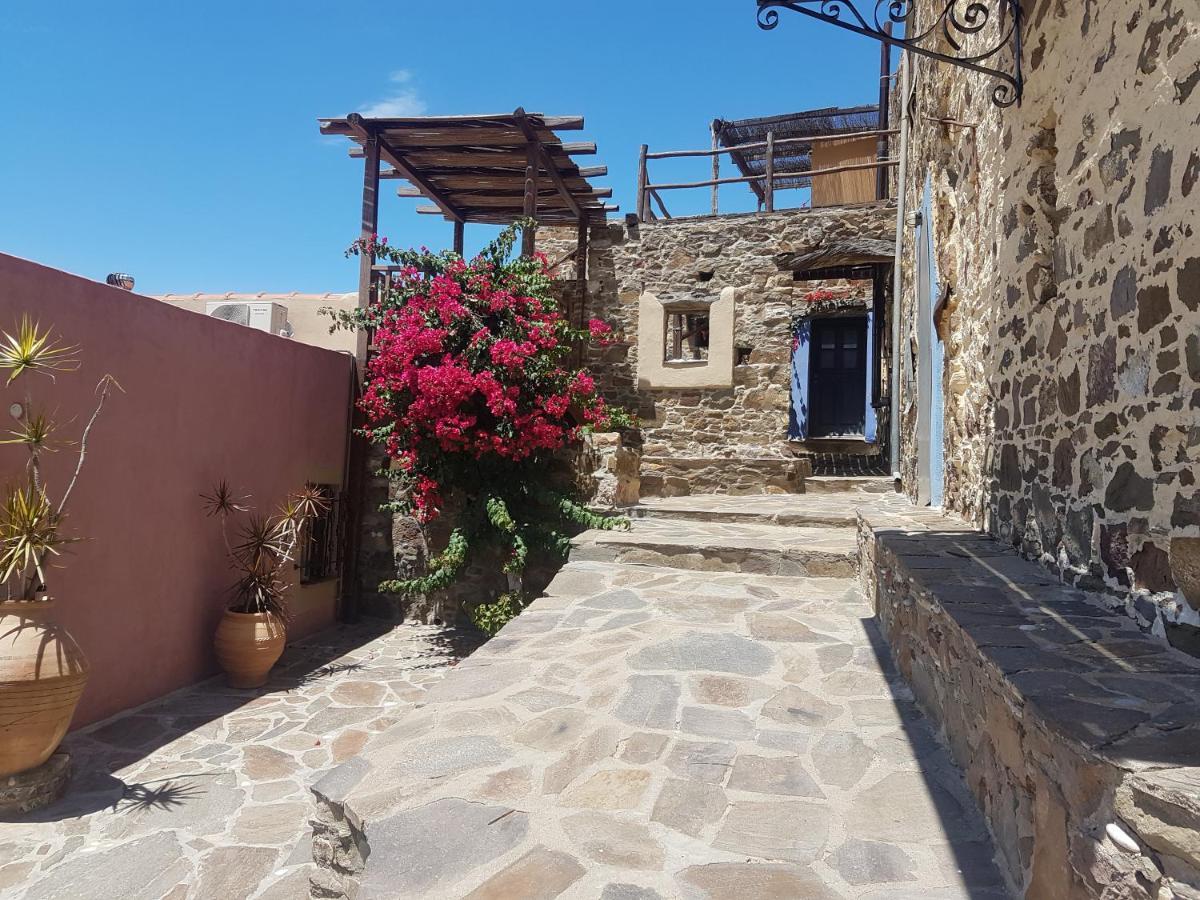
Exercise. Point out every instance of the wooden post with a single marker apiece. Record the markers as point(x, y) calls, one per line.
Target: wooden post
point(879, 314)
point(581, 285)
point(369, 227)
point(769, 198)
point(642, 199)
point(459, 229)
point(355, 475)
point(716, 163)
point(530, 207)
point(581, 255)
point(885, 64)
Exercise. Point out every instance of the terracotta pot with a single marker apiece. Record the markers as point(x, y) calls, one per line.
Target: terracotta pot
point(42, 675)
point(247, 645)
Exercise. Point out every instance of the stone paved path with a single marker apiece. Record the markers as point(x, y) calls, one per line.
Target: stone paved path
point(204, 795)
point(666, 731)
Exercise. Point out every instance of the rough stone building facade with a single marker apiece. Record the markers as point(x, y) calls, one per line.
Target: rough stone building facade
point(1065, 253)
point(724, 424)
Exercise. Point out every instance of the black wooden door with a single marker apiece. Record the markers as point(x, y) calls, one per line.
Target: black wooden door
point(838, 376)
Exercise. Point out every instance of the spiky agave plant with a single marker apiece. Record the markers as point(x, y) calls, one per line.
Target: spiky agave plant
point(263, 545)
point(30, 522)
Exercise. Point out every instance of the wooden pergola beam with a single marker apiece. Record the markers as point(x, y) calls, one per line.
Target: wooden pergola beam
point(559, 214)
point(474, 154)
point(452, 183)
point(511, 199)
point(483, 168)
point(551, 165)
point(366, 132)
point(510, 193)
point(486, 172)
point(344, 127)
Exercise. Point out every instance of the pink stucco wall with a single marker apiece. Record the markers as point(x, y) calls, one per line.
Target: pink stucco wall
point(203, 400)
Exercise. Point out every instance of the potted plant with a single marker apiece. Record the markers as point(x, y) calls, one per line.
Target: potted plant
point(253, 628)
point(42, 670)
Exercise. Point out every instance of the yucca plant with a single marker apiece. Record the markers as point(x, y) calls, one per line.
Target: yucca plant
point(30, 521)
point(261, 546)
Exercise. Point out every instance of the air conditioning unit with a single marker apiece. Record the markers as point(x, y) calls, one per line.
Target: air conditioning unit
point(269, 317)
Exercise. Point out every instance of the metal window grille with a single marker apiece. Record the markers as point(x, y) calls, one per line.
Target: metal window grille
point(322, 542)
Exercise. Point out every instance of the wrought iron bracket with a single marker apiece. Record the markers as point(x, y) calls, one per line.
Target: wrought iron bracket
point(958, 22)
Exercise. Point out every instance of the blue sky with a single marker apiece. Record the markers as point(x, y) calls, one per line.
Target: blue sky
point(178, 141)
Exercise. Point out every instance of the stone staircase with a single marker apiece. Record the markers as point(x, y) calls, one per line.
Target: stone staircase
point(716, 545)
point(698, 707)
point(674, 476)
point(840, 484)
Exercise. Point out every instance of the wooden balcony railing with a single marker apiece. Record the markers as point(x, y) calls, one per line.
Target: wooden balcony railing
point(765, 184)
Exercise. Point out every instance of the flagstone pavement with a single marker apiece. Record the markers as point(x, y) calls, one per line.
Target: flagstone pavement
point(204, 794)
point(701, 708)
point(665, 724)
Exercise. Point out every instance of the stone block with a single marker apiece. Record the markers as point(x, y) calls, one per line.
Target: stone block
point(35, 788)
point(1163, 808)
point(1185, 568)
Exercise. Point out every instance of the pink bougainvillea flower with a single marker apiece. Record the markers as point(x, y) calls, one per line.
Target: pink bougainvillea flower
point(470, 365)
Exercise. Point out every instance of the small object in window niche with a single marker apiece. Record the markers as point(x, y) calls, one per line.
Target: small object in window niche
point(686, 336)
point(743, 356)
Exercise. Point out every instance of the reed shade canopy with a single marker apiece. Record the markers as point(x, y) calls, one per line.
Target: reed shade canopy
point(474, 168)
point(792, 160)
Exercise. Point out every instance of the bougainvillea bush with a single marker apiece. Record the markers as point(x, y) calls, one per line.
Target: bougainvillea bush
point(470, 391)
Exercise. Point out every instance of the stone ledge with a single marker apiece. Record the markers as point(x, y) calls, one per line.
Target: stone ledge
point(1073, 727)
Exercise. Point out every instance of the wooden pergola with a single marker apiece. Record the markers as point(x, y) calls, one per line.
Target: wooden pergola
point(488, 169)
point(492, 169)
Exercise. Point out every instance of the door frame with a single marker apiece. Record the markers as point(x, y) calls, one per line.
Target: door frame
point(862, 318)
point(931, 354)
point(800, 373)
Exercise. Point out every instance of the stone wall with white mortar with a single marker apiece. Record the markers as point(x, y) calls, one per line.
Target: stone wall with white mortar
point(1066, 229)
point(696, 258)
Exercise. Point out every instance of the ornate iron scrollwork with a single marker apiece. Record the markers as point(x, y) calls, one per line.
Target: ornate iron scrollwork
point(958, 22)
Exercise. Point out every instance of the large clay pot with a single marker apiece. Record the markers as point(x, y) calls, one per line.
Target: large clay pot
point(42, 675)
point(247, 645)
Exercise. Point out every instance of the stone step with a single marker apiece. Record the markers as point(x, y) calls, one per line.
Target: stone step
point(701, 590)
point(862, 484)
point(832, 510)
point(676, 476)
point(725, 547)
point(818, 447)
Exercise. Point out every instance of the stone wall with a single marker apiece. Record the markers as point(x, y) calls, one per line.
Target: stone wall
point(1075, 731)
point(391, 545)
point(1066, 229)
point(698, 258)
